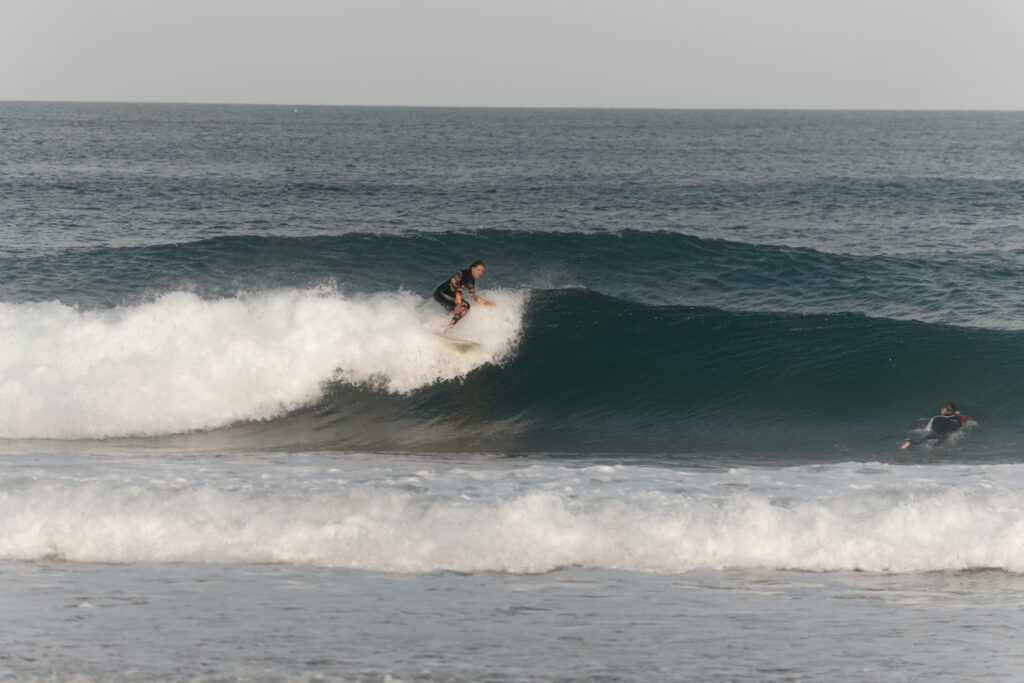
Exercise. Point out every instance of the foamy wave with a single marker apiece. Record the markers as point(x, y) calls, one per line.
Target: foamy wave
point(423, 523)
point(182, 363)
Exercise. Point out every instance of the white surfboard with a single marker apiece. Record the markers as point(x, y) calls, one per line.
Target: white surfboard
point(460, 344)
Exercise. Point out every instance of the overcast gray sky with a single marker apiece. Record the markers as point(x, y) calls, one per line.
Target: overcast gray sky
point(902, 54)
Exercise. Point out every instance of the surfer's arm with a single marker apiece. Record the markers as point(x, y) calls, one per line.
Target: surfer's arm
point(477, 298)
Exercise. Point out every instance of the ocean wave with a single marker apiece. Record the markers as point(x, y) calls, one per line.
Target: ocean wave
point(182, 363)
point(535, 519)
point(596, 374)
point(565, 370)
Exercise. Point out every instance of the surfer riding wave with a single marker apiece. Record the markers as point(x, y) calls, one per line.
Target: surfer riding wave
point(449, 292)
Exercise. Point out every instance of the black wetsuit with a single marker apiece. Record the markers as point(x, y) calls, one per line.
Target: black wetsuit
point(942, 426)
point(446, 291)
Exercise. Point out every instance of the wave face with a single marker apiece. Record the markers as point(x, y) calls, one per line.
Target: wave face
point(594, 374)
point(531, 519)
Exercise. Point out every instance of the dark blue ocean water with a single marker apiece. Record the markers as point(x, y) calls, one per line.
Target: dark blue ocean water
point(220, 373)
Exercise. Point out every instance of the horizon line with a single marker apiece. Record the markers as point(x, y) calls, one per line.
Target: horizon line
point(516, 106)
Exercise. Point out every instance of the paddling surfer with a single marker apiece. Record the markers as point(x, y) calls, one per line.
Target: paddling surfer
point(450, 292)
point(940, 427)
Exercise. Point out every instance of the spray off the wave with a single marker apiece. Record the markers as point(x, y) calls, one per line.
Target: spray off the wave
point(181, 363)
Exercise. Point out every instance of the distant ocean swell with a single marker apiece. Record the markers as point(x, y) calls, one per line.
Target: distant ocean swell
point(925, 282)
point(562, 369)
point(535, 519)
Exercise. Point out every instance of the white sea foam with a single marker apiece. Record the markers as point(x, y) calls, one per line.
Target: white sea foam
point(527, 520)
point(182, 363)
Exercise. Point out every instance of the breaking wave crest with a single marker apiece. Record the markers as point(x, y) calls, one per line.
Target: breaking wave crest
point(181, 363)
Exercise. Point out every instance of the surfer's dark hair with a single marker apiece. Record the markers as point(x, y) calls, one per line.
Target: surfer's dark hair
point(476, 263)
point(950, 406)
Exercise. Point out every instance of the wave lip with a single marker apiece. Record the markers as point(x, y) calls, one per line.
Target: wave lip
point(181, 363)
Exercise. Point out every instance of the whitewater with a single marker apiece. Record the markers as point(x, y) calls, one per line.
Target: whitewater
point(181, 363)
point(353, 513)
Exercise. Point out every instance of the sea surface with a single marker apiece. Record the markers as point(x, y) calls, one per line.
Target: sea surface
point(232, 447)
